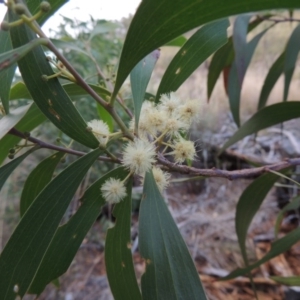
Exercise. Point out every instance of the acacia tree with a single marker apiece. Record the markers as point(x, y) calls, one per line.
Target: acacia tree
point(155, 141)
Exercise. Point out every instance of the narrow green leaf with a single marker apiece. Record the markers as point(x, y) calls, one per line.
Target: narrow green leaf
point(195, 51)
point(169, 19)
point(177, 42)
point(31, 120)
point(239, 38)
point(277, 247)
point(7, 169)
point(273, 75)
point(293, 205)
point(9, 58)
point(6, 77)
point(118, 258)
point(291, 54)
point(290, 281)
point(25, 249)
point(248, 205)
point(285, 177)
point(69, 45)
point(106, 117)
point(19, 91)
point(73, 90)
point(103, 27)
point(10, 120)
point(49, 96)
point(224, 57)
point(139, 78)
point(170, 271)
point(266, 117)
point(37, 180)
point(69, 236)
point(235, 82)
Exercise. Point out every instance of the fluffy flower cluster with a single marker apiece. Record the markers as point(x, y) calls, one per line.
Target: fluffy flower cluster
point(139, 156)
point(161, 126)
point(170, 116)
point(100, 130)
point(113, 190)
point(161, 178)
point(183, 150)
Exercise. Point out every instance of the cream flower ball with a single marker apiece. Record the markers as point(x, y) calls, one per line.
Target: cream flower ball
point(139, 156)
point(182, 150)
point(100, 130)
point(113, 190)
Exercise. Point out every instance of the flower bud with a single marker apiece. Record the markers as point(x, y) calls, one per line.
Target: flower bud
point(12, 151)
point(19, 9)
point(44, 78)
point(5, 26)
point(45, 6)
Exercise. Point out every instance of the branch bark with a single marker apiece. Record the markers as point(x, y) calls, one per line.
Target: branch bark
point(172, 167)
point(45, 145)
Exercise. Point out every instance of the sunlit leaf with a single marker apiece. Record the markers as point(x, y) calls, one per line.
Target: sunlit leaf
point(194, 52)
point(40, 176)
point(139, 78)
point(118, 258)
point(23, 253)
point(170, 271)
point(19, 91)
point(266, 117)
point(290, 281)
point(178, 42)
point(106, 117)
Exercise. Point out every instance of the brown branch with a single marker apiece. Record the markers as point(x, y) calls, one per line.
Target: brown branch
point(45, 145)
point(231, 175)
point(172, 167)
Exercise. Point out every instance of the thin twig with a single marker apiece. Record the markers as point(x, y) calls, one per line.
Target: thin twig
point(231, 175)
point(45, 145)
point(172, 167)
